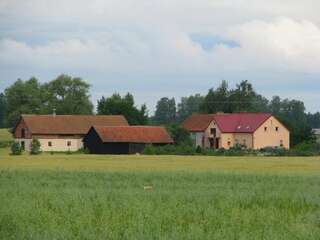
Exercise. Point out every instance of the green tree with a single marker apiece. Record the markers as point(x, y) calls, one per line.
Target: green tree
point(179, 135)
point(22, 97)
point(35, 147)
point(16, 148)
point(314, 120)
point(67, 95)
point(116, 104)
point(165, 111)
point(189, 105)
point(217, 100)
point(3, 110)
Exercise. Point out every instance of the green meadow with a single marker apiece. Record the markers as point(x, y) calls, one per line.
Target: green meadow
point(78, 196)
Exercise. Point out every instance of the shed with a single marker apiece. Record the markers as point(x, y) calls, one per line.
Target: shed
point(124, 139)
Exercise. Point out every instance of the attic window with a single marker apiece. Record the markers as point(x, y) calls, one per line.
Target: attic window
point(265, 129)
point(239, 127)
point(247, 127)
point(277, 129)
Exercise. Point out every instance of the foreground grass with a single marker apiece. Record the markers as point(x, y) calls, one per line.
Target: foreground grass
point(102, 197)
point(5, 135)
point(84, 162)
point(83, 205)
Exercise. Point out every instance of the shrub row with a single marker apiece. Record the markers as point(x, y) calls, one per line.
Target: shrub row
point(303, 149)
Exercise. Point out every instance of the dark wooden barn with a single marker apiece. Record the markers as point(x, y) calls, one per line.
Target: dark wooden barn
point(124, 139)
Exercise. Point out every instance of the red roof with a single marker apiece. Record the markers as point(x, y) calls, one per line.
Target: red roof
point(70, 124)
point(133, 134)
point(227, 123)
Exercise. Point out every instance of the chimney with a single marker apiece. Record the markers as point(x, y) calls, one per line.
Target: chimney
point(54, 112)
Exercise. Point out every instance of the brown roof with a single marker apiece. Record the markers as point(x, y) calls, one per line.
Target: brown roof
point(70, 124)
point(227, 123)
point(133, 134)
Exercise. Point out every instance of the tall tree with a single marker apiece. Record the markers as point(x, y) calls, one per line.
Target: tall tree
point(189, 105)
point(314, 120)
point(165, 111)
point(22, 97)
point(217, 100)
point(67, 95)
point(3, 110)
point(125, 106)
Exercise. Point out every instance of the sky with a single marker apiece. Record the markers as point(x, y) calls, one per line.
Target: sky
point(158, 48)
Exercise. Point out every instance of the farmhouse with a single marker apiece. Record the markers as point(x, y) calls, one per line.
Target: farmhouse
point(60, 132)
point(254, 130)
point(124, 139)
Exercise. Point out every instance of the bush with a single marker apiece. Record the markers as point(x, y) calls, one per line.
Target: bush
point(35, 147)
point(16, 148)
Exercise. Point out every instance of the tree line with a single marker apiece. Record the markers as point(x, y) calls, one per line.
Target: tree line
point(69, 95)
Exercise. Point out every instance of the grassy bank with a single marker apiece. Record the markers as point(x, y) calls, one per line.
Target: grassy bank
point(90, 205)
point(134, 163)
point(5, 135)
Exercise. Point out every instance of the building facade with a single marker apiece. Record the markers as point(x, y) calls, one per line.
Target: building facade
point(253, 130)
point(60, 132)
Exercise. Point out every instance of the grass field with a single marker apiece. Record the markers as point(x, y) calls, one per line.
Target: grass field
point(5, 135)
point(102, 197)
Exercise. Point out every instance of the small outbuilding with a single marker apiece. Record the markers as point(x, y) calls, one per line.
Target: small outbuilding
point(124, 139)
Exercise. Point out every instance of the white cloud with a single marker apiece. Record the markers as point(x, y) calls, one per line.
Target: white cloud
point(150, 39)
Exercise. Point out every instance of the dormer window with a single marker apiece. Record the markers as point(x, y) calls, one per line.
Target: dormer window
point(277, 129)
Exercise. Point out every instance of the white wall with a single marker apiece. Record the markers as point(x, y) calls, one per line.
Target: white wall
point(58, 145)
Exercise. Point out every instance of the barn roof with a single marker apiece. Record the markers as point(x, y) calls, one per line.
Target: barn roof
point(227, 123)
point(69, 124)
point(133, 134)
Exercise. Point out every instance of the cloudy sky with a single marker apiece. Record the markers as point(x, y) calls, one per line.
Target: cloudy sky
point(156, 48)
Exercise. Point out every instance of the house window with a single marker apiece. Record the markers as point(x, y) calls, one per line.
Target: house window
point(229, 143)
point(237, 141)
point(277, 129)
point(244, 142)
point(281, 143)
point(265, 129)
point(213, 131)
point(50, 144)
point(23, 133)
point(69, 143)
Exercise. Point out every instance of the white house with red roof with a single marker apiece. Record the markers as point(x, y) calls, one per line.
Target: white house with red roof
point(254, 130)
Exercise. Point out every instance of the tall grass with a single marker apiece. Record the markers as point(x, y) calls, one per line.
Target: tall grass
point(180, 205)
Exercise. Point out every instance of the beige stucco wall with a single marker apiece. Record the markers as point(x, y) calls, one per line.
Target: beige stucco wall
point(58, 145)
point(225, 138)
point(271, 137)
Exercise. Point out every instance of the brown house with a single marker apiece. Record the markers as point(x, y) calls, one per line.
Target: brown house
point(60, 132)
point(254, 130)
point(124, 139)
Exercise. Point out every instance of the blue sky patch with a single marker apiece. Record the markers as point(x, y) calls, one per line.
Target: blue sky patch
point(208, 42)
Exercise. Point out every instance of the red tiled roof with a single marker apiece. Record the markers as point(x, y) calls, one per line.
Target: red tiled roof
point(227, 123)
point(70, 124)
point(133, 134)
